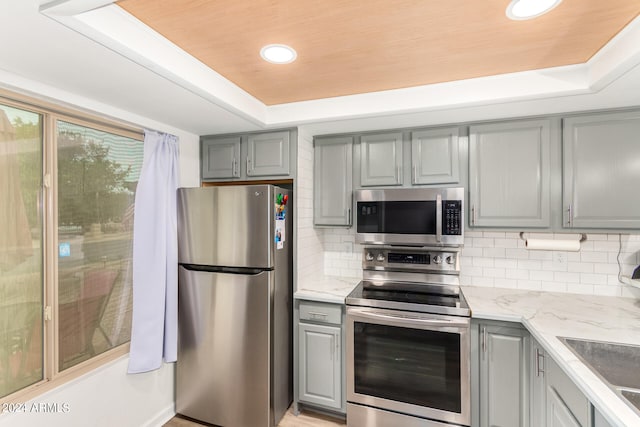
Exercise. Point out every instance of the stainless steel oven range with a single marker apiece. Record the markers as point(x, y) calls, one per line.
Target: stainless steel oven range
point(408, 340)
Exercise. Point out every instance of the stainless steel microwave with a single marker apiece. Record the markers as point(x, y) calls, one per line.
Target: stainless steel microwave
point(410, 216)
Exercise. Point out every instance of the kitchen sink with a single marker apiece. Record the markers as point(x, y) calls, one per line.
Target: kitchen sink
point(617, 364)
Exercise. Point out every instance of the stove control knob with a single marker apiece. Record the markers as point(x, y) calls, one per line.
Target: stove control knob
point(369, 256)
point(437, 259)
point(380, 258)
point(449, 259)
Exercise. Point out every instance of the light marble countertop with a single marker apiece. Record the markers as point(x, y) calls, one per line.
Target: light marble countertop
point(548, 315)
point(326, 289)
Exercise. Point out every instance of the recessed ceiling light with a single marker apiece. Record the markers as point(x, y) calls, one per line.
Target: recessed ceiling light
point(528, 9)
point(278, 54)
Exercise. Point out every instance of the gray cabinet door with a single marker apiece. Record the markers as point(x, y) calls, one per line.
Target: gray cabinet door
point(558, 414)
point(434, 156)
point(381, 159)
point(221, 158)
point(602, 171)
point(268, 154)
point(509, 174)
point(320, 365)
point(332, 181)
point(504, 376)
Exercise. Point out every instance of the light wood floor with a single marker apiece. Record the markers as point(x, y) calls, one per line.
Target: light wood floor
point(305, 419)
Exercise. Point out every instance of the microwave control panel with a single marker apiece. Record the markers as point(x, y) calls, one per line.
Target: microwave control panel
point(452, 217)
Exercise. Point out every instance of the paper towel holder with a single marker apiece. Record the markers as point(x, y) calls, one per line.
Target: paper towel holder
point(583, 237)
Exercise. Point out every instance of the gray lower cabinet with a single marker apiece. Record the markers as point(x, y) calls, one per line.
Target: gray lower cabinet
point(601, 171)
point(435, 156)
point(381, 159)
point(320, 367)
point(332, 181)
point(220, 158)
point(509, 174)
point(566, 405)
point(268, 154)
point(504, 375)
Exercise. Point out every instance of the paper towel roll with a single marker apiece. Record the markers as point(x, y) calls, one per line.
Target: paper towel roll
point(552, 245)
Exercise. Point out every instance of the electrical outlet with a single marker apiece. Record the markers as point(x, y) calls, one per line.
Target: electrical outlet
point(559, 257)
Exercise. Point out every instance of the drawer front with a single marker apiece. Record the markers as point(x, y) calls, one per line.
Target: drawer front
point(568, 392)
point(321, 312)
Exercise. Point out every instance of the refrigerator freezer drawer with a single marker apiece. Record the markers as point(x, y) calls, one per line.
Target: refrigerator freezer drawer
point(223, 369)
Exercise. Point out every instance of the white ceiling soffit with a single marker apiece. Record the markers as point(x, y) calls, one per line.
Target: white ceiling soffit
point(114, 28)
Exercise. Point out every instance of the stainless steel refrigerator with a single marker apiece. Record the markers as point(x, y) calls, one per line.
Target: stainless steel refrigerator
point(235, 304)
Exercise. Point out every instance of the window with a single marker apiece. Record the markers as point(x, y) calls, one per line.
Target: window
point(67, 190)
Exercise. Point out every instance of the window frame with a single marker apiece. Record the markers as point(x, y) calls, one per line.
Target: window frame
point(50, 113)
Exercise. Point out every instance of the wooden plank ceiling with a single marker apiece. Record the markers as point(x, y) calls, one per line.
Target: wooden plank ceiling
point(350, 47)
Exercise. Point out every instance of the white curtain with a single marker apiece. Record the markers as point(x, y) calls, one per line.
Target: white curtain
point(154, 334)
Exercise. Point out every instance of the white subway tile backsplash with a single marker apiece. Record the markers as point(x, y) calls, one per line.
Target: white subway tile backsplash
point(534, 285)
point(493, 252)
point(569, 278)
point(519, 253)
point(483, 262)
point(574, 288)
point(554, 266)
point(553, 286)
point(580, 267)
point(593, 279)
point(505, 263)
point(517, 274)
point(541, 255)
point(541, 275)
point(493, 234)
point(482, 242)
point(593, 256)
point(529, 265)
point(494, 272)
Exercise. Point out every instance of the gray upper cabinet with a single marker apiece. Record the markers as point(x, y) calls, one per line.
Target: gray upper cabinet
point(268, 154)
point(435, 156)
point(221, 158)
point(509, 174)
point(601, 171)
point(381, 159)
point(332, 181)
point(504, 376)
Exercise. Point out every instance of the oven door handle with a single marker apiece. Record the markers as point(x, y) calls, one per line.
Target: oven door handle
point(412, 319)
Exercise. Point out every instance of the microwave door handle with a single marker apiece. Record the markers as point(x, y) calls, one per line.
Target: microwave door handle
point(439, 218)
point(420, 320)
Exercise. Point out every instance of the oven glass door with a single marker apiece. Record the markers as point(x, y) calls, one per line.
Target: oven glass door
point(413, 363)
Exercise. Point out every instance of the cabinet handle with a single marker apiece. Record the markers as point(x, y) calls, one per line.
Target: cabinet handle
point(316, 315)
point(539, 366)
point(398, 174)
point(248, 163)
point(415, 174)
point(233, 167)
point(569, 216)
point(483, 342)
point(349, 216)
point(473, 215)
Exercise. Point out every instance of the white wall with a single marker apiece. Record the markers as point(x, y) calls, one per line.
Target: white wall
point(108, 396)
point(309, 252)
